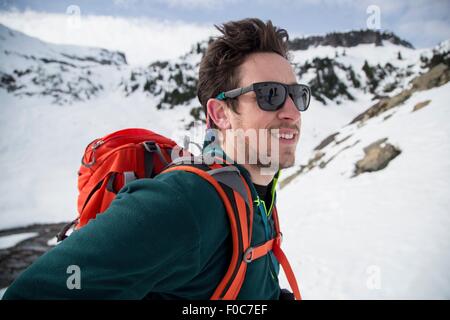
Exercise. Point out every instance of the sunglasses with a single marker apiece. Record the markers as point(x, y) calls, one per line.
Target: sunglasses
point(271, 96)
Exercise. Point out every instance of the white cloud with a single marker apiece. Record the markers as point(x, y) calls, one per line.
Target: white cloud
point(204, 4)
point(423, 21)
point(426, 31)
point(142, 39)
point(124, 3)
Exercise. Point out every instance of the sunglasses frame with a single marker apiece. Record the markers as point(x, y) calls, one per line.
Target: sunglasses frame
point(232, 94)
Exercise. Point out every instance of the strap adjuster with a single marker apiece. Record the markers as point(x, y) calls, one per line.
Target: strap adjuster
point(150, 146)
point(247, 253)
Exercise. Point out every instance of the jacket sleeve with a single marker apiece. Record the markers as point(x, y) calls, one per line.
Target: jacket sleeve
point(146, 241)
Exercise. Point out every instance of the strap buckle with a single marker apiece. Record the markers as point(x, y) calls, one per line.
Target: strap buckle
point(150, 146)
point(247, 253)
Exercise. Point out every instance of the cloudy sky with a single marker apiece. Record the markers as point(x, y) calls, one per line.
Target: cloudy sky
point(157, 29)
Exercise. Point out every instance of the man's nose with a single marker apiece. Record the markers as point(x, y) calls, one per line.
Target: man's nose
point(289, 111)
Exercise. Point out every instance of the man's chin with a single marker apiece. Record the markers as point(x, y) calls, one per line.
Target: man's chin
point(287, 159)
point(287, 163)
point(284, 163)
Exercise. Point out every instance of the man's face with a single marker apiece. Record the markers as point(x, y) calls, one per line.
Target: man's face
point(259, 67)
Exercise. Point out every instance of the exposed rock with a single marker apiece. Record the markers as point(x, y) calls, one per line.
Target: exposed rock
point(15, 259)
point(326, 141)
point(420, 105)
point(347, 39)
point(317, 160)
point(303, 168)
point(441, 54)
point(382, 106)
point(330, 139)
point(377, 156)
point(338, 142)
point(437, 76)
point(8, 82)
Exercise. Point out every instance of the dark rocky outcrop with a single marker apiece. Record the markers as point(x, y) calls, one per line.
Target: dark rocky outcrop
point(15, 259)
point(312, 163)
point(347, 39)
point(326, 141)
point(8, 82)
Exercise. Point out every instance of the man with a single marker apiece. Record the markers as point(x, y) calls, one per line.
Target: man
point(169, 237)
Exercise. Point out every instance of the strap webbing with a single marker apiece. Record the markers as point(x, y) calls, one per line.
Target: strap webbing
point(148, 163)
point(273, 245)
point(281, 257)
point(231, 283)
point(254, 253)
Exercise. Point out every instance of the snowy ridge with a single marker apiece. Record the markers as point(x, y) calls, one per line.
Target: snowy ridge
point(12, 240)
point(348, 39)
point(30, 67)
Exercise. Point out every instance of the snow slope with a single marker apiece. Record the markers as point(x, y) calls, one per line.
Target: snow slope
point(12, 240)
point(382, 234)
point(41, 146)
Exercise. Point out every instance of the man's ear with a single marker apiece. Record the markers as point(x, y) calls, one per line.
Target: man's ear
point(217, 114)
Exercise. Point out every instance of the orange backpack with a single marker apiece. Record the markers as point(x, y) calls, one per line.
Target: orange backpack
point(109, 163)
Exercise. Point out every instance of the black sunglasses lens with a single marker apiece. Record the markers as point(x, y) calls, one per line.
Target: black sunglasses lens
point(270, 96)
point(300, 95)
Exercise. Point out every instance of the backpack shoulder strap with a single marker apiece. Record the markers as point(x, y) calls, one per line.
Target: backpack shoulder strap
point(282, 259)
point(236, 197)
point(229, 176)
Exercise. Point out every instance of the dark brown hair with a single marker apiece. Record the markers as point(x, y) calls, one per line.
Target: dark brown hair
point(219, 67)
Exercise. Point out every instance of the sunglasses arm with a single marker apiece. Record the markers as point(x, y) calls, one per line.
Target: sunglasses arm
point(237, 92)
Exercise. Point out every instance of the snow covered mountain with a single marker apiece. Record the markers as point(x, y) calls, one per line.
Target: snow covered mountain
point(367, 198)
point(30, 67)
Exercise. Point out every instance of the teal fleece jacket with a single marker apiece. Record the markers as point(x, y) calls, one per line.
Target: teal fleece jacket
point(161, 238)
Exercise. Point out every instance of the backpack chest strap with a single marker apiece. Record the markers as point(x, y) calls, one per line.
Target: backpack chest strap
point(254, 253)
point(274, 245)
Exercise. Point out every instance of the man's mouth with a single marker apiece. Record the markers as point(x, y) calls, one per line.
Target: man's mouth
point(286, 135)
